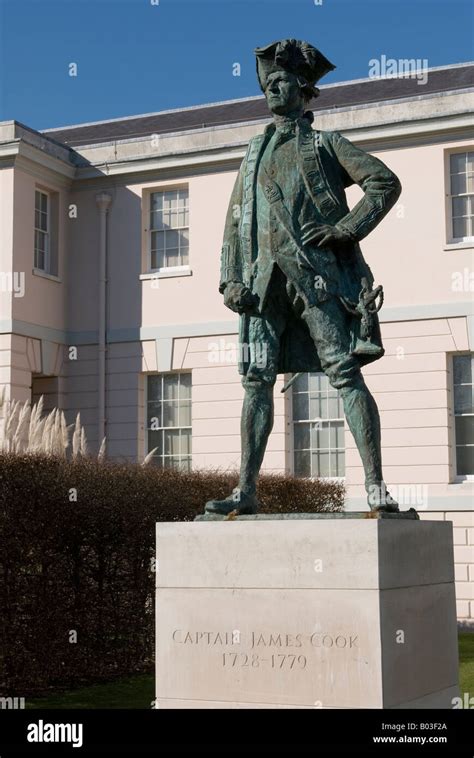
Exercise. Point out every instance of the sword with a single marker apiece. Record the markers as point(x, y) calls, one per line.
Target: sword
point(288, 384)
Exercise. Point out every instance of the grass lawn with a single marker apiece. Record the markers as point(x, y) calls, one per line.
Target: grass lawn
point(138, 691)
point(133, 692)
point(466, 663)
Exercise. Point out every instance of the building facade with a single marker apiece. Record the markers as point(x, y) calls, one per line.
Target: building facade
point(109, 265)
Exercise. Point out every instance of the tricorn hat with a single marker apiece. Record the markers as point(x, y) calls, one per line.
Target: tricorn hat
point(297, 57)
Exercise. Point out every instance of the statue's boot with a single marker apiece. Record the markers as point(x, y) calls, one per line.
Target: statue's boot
point(363, 419)
point(238, 501)
point(255, 427)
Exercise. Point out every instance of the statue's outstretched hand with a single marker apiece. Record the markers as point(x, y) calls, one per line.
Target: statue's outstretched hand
point(323, 235)
point(239, 298)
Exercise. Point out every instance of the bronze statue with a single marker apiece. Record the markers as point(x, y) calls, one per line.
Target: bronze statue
point(292, 268)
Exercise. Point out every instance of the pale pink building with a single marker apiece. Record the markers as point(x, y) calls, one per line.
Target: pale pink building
point(109, 266)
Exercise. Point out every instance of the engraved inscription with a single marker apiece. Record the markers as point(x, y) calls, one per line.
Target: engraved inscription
point(273, 650)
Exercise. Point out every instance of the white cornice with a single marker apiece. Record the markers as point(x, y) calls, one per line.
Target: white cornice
point(35, 161)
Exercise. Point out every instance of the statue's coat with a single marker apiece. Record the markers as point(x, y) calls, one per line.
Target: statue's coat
point(328, 163)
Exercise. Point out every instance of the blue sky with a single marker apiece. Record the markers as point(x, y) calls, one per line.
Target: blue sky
point(135, 57)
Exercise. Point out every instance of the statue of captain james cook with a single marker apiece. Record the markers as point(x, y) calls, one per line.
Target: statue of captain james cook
point(292, 268)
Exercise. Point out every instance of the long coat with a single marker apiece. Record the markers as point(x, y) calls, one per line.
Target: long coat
point(328, 163)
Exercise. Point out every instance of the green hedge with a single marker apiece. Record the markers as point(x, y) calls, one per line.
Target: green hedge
point(85, 567)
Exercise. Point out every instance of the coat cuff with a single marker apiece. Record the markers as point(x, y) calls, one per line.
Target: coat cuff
point(347, 230)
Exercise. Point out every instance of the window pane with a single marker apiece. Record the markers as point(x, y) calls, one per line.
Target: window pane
point(156, 220)
point(462, 369)
point(463, 401)
point(157, 240)
point(459, 227)
point(154, 387)
point(301, 436)
point(39, 260)
point(458, 163)
point(458, 184)
point(184, 386)
point(317, 406)
point(460, 206)
point(340, 438)
point(170, 387)
point(44, 202)
point(302, 463)
point(154, 415)
point(37, 200)
point(155, 439)
point(317, 382)
point(168, 199)
point(41, 241)
point(185, 441)
point(470, 183)
point(157, 259)
point(333, 407)
point(470, 162)
point(185, 413)
point(172, 442)
point(465, 460)
point(174, 220)
point(156, 201)
point(170, 414)
point(332, 436)
point(172, 257)
point(300, 407)
point(320, 438)
point(341, 464)
point(320, 463)
point(183, 238)
point(465, 430)
point(171, 239)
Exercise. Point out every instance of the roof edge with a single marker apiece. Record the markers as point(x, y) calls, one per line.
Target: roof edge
point(236, 100)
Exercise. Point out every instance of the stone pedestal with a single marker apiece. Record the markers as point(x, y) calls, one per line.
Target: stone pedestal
point(306, 613)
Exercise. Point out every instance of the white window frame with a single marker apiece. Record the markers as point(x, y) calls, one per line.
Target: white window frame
point(453, 241)
point(161, 428)
point(47, 253)
point(308, 421)
point(458, 477)
point(166, 270)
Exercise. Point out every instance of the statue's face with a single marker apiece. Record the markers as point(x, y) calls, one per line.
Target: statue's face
point(283, 93)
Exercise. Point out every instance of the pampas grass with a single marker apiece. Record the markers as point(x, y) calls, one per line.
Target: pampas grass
point(26, 429)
